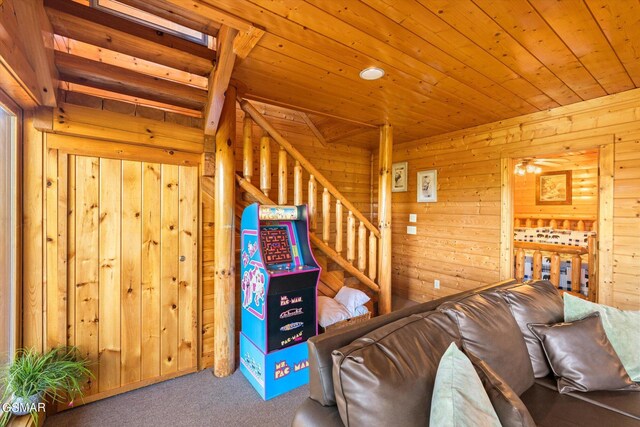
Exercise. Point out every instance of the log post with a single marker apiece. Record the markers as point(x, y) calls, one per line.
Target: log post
point(326, 215)
point(540, 223)
point(362, 247)
point(516, 223)
point(351, 237)
point(247, 148)
point(576, 266)
point(297, 184)
point(555, 269)
point(591, 262)
point(338, 227)
point(373, 257)
point(265, 164)
point(553, 224)
point(384, 217)
point(313, 203)
point(224, 287)
point(566, 225)
point(580, 226)
point(528, 223)
point(282, 177)
point(520, 264)
point(537, 265)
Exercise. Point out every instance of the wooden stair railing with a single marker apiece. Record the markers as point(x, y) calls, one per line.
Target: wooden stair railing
point(326, 249)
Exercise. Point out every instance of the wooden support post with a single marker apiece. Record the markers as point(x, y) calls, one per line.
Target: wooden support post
point(224, 289)
point(528, 223)
point(265, 164)
point(282, 177)
point(384, 217)
point(338, 227)
point(537, 265)
point(351, 237)
point(593, 274)
point(516, 223)
point(566, 225)
point(576, 266)
point(553, 224)
point(520, 264)
point(297, 184)
point(312, 203)
point(580, 226)
point(247, 148)
point(326, 215)
point(555, 269)
point(373, 257)
point(540, 223)
point(362, 247)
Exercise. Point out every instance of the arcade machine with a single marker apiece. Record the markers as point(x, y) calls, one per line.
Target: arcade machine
point(279, 279)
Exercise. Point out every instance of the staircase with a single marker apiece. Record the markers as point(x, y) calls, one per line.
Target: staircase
point(352, 264)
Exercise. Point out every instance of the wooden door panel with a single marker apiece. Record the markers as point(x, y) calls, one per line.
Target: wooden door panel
point(122, 254)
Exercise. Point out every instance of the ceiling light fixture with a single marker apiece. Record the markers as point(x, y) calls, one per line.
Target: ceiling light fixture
point(371, 73)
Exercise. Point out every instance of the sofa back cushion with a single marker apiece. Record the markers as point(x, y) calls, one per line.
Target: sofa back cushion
point(387, 376)
point(537, 302)
point(489, 331)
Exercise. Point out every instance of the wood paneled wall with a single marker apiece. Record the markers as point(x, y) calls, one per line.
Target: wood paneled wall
point(458, 238)
point(584, 198)
point(347, 167)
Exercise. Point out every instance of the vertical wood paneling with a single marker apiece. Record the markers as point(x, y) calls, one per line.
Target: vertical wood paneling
point(188, 257)
point(169, 268)
point(151, 273)
point(63, 255)
point(55, 333)
point(71, 252)
point(131, 286)
point(109, 293)
point(87, 194)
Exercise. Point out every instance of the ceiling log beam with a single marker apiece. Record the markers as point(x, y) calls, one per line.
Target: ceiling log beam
point(246, 40)
point(105, 30)
point(219, 79)
point(75, 69)
point(211, 12)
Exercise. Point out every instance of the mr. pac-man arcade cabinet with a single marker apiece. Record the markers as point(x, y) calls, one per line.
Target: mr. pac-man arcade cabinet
point(279, 279)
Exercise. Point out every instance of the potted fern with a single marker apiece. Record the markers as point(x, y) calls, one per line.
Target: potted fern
point(57, 375)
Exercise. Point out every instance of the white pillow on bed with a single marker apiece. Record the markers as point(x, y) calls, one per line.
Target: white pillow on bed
point(352, 299)
point(330, 311)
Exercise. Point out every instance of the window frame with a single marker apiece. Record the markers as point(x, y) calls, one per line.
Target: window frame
point(17, 132)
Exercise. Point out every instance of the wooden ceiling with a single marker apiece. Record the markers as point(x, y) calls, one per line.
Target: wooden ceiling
point(450, 64)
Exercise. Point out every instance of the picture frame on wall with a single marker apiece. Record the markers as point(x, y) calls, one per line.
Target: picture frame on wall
point(428, 186)
point(399, 172)
point(553, 188)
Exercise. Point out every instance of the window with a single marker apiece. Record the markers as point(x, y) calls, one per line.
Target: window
point(9, 241)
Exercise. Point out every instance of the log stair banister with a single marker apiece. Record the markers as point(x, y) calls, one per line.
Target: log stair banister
point(304, 163)
point(258, 195)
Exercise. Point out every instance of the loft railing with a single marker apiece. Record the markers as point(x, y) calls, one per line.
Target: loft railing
point(359, 261)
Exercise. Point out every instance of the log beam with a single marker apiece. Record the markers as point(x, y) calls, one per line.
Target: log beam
point(384, 217)
point(75, 69)
point(224, 287)
point(219, 79)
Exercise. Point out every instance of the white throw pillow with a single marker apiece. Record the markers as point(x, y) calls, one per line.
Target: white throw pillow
point(330, 311)
point(360, 310)
point(352, 299)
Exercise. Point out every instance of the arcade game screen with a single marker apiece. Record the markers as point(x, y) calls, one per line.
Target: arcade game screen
point(276, 247)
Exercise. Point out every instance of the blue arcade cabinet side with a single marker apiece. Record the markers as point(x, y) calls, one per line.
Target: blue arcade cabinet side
point(279, 280)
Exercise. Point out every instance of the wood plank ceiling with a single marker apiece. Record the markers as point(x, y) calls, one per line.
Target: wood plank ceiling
point(450, 64)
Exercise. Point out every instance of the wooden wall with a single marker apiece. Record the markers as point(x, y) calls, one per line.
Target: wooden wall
point(584, 198)
point(458, 238)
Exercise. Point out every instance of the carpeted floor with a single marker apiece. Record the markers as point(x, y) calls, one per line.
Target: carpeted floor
point(198, 399)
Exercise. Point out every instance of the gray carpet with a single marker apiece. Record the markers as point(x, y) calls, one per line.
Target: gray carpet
point(198, 399)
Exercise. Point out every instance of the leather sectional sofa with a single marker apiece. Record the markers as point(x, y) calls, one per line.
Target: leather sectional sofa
point(382, 372)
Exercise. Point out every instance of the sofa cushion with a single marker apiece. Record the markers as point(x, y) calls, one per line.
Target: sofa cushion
point(508, 406)
point(537, 302)
point(489, 331)
point(582, 357)
point(459, 398)
point(397, 360)
point(621, 327)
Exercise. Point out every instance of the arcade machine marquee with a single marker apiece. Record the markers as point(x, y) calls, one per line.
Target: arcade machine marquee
point(279, 279)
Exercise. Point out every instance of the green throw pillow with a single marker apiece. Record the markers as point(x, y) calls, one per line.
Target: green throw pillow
point(621, 326)
point(459, 398)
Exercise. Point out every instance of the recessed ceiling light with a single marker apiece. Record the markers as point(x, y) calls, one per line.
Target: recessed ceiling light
point(371, 73)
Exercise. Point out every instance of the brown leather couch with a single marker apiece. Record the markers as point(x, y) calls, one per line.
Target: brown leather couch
point(540, 396)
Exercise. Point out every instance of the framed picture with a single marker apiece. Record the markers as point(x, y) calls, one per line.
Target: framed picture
point(428, 186)
point(399, 173)
point(553, 188)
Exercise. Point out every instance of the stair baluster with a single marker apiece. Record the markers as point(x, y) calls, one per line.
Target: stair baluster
point(297, 184)
point(312, 204)
point(351, 237)
point(338, 227)
point(373, 257)
point(247, 148)
point(362, 247)
point(265, 164)
point(326, 215)
point(282, 177)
